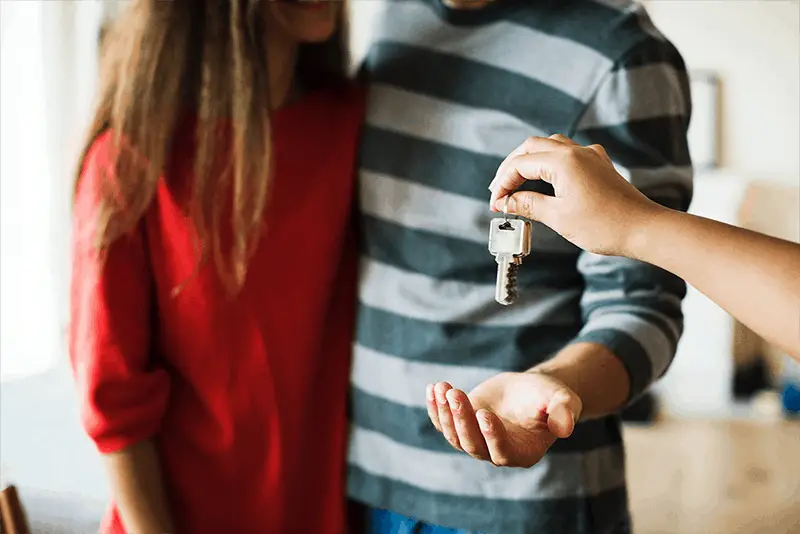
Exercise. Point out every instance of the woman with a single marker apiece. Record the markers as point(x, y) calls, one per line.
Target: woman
point(211, 311)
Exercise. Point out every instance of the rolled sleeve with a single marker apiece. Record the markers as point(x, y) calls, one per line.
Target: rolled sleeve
point(640, 114)
point(122, 394)
point(633, 309)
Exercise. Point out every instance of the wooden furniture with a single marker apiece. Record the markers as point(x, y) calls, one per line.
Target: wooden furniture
point(12, 514)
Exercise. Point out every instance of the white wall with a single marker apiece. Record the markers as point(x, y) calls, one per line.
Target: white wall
point(754, 47)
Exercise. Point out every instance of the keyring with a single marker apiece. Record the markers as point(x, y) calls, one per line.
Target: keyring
point(505, 208)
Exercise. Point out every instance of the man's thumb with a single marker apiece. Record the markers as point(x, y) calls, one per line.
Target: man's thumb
point(529, 204)
point(563, 412)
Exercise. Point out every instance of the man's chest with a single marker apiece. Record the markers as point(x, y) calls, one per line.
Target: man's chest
point(425, 166)
point(510, 66)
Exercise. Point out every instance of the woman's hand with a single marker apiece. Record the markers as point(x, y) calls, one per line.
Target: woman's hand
point(594, 207)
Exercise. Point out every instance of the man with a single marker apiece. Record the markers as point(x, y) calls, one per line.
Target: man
point(454, 87)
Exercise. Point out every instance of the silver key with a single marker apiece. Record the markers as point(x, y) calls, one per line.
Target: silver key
point(509, 242)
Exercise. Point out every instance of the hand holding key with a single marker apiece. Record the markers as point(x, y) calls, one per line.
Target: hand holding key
point(510, 420)
point(594, 207)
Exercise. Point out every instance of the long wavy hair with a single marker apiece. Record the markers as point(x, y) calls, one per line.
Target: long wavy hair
point(163, 61)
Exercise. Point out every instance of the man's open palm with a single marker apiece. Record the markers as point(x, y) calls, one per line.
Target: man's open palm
point(511, 419)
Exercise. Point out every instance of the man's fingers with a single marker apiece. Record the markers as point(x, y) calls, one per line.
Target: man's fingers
point(433, 410)
point(530, 204)
point(496, 438)
point(445, 417)
point(466, 425)
point(562, 413)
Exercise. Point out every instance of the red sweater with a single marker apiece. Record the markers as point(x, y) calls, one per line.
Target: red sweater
point(245, 398)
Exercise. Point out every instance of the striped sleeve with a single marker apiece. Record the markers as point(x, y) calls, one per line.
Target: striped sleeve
point(640, 114)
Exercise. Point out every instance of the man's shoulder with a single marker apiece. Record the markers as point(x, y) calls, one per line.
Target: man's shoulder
point(610, 27)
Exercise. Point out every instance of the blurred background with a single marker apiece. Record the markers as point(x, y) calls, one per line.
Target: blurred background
point(713, 450)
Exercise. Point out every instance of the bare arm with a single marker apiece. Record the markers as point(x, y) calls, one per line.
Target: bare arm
point(754, 277)
point(138, 489)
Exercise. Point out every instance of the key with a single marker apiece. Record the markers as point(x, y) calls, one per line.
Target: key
point(509, 242)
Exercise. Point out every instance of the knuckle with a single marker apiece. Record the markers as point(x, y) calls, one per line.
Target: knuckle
point(600, 151)
point(526, 203)
point(529, 143)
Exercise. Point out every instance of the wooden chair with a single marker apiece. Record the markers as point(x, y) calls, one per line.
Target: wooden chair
point(12, 514)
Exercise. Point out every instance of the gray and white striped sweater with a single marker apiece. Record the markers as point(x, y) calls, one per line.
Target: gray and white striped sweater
point(451, 93)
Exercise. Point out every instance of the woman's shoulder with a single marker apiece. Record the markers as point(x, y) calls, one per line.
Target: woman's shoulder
point(96, 168)
point(99, 151)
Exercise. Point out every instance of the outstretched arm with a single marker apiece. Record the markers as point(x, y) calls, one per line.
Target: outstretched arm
point(754, 277)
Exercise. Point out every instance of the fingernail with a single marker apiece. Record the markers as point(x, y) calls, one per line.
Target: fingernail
point(441, 398)
point(429, 392)
point(500, 204)
point(454, 404)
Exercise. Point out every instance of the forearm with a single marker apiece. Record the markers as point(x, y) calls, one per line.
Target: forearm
point(595, 374)
point(754, 277)
point(138, 489)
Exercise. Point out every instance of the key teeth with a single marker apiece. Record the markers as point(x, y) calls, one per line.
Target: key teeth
point(511, 284)
point(511, 292)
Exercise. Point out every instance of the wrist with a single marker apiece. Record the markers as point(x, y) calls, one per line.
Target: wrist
point(644, 235)
point(593, 373)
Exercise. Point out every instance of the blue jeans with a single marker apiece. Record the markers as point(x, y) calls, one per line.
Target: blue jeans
point(378, 521)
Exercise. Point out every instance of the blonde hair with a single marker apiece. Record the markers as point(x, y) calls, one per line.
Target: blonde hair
point(162, 62)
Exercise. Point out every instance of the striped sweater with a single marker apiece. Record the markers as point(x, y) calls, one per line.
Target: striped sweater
point(451, 93)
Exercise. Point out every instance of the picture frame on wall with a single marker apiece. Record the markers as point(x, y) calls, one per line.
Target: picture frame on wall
point(704, 143)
